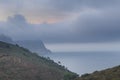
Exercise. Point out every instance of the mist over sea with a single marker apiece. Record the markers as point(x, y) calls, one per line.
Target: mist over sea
point(86, 62)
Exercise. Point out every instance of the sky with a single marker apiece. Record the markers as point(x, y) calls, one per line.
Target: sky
point(67, 26)
point(61, 21)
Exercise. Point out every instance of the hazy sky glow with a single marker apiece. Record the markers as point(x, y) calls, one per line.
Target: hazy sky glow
point(63, 21)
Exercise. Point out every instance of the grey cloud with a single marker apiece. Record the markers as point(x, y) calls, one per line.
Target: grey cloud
point(17, 21)
point(103, 27)
point(77, 5)
point(100, 28)
point(100, 25)
point(46, 32)
point(54, 8)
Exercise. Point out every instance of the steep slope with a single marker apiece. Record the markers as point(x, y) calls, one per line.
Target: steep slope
point(5, 38)
point(17, 63)
point(35, 46)
point(108, 74)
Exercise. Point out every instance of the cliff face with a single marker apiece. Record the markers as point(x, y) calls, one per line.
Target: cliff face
point(18, 63)
point(33, 45)
point(5, 38)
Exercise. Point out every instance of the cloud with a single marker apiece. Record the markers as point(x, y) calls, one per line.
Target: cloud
point(46, 10)
point(82, 21)
point(77, 5)
point(33, 10)
point(102, 25)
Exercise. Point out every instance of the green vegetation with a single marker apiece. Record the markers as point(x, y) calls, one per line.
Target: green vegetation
point(70, 76)
point(17, 63)
point(108, 74)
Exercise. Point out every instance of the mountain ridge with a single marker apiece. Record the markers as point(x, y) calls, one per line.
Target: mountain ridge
point(18, 63)
point(107, 74)
point(33, 45)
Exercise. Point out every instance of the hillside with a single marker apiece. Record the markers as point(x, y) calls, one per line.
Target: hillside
point(33, 45)
point(17, 63)
point(5, 38)
point(108, 74)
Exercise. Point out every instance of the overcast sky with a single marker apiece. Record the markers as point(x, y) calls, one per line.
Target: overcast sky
point(61, 21)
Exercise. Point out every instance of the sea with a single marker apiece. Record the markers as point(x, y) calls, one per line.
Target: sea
point(86, 62)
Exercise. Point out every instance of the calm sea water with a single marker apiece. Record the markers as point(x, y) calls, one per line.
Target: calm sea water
point(86, 62)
